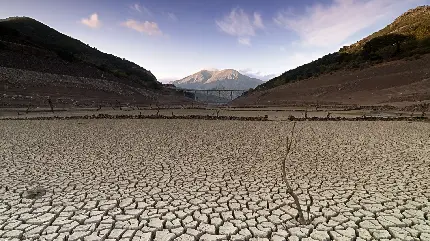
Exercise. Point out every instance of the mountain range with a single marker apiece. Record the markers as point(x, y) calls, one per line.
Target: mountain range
point(219, 80)
point(227, 79)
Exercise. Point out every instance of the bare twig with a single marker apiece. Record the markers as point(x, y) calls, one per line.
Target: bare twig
point(119, 104)
point(50, 104)
point(290, 141)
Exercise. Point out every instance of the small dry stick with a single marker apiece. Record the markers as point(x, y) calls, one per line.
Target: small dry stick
point(50, 104)
point(290, 190)
point(119, 104)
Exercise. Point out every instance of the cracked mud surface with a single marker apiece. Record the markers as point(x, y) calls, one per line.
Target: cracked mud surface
point(212, 180)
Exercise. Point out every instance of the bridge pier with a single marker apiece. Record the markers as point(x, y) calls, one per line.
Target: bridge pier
point(195, 91)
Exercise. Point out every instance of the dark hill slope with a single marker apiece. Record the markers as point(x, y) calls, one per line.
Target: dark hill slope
point(37, 61)
point(24, 37)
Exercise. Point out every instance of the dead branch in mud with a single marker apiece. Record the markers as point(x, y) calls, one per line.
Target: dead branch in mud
point(289, 146)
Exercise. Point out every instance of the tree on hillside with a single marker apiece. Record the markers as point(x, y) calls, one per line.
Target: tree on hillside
point(391, 42)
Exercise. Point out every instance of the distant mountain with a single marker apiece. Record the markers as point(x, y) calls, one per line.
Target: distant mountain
point(219, 80)
point(408, 36)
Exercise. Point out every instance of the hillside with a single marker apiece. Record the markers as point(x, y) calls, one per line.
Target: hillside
point(29, 32)
point(34, 50)
point(398, 83)
point(408, 37)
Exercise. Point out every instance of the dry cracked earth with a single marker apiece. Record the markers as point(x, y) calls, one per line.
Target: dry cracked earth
point(213, 180)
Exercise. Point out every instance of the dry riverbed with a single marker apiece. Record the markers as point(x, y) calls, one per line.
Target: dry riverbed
point(212, 180)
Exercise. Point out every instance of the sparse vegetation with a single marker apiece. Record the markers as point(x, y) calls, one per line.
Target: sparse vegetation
point(2, 45)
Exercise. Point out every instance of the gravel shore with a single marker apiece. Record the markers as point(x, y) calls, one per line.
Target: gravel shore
point(144, 179)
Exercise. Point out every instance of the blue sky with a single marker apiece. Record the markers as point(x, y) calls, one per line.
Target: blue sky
point(176, 38)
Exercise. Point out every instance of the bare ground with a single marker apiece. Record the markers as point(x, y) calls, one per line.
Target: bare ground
point(397, 83)
point(22, 88)
point(210, 180)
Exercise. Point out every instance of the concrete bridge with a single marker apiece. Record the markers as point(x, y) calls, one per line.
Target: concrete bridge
point(228, 94)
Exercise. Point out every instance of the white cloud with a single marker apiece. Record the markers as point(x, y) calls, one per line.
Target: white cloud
point(244, 41)
point(149, 28)
point(258, 21)
point(241, 25)
point(92, 22)
point(140, 8)
point(136, 7)
point(258, 74)
point(332, 24)
point(168, 80)
point(172, 17)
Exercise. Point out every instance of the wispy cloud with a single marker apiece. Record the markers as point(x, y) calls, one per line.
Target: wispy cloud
point(244, 41)
point(140, 8)
point(258, 21)
point(257, 74)
point(172, 16)
point(92, 22)
point(239, 24)
point(149, 28)
point(332, 24)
